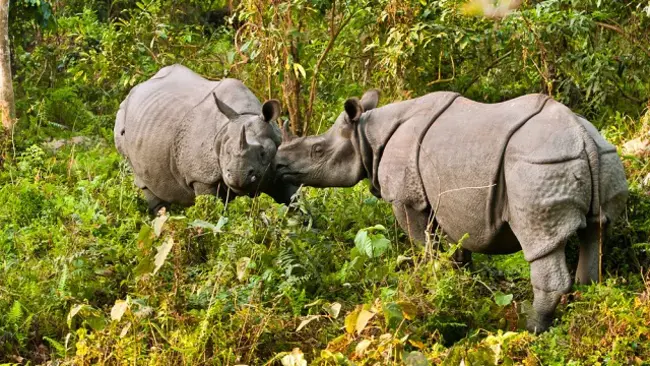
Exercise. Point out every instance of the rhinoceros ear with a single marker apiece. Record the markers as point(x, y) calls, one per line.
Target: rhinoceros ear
point(271, 110)
point(224, 108)
point(353, 109)
point(370, 99)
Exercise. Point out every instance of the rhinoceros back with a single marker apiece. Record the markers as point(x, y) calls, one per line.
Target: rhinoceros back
point(461, 162)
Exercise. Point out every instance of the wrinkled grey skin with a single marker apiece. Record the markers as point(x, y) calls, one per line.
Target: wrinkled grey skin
point(524, 174)
point(185, 136)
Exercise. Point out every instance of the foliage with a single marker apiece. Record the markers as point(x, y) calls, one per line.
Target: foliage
point(87, 277)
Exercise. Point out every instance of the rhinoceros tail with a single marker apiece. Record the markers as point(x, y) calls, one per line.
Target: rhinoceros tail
point(593, 156)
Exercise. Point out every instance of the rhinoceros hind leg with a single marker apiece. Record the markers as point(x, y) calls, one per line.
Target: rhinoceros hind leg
point(551, 279)
point(590, 239)
point(154, 203)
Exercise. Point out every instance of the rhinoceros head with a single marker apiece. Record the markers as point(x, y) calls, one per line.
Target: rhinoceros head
point(248, 147)
point(330, 159)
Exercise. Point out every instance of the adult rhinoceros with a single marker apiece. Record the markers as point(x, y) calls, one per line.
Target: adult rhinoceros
point(184, 136)
point(524, 174)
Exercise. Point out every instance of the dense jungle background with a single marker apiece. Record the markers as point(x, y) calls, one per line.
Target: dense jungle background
point(87, 277)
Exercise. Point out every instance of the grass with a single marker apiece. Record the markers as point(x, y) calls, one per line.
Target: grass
point(87, 277)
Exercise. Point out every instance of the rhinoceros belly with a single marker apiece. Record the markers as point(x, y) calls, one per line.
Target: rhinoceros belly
point(461, 167)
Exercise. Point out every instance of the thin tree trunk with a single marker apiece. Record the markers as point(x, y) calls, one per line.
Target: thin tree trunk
point(7, 107)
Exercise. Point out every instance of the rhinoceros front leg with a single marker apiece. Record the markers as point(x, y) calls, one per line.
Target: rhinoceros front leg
point(417, 223)
point(204, 189)
point(413, 221)
point(153, 202)
point(551, 279)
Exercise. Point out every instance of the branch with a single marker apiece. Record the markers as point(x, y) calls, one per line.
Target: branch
point(632, 40)
point(312, 88)
point(490, 67)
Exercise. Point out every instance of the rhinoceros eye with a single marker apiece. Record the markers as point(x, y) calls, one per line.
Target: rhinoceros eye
point(316, 151)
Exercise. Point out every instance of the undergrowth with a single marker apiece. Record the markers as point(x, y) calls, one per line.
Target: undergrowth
point(88, 277)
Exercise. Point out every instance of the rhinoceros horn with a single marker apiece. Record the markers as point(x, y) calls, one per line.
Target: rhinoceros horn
point(224, 108)
point(286, 132)
point(242, 139)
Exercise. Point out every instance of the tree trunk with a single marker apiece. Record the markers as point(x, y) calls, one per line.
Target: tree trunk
point(7, 107)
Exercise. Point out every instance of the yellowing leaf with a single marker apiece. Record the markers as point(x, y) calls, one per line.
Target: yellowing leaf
point(351, 321)
point(119, 309)
point(362, 320)
point(408, 309)
point(297, 68)
point(163, 252)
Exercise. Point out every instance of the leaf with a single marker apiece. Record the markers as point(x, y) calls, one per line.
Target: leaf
point(362, 320)
point(502, 299)
point(297, 68)
point(409, 310)
point(163, 252)
point(242, 266)
point(125, 330)
point(306, 321)
point(393, 315)
point(295, 358)
point(351, 321)
point(58, 346)
point(145, 266)
point(119, 309)
point(361, 348)
point(158, 224)
point(207, 225)
point(73, 312)
point(415, 358)
point(333, 309)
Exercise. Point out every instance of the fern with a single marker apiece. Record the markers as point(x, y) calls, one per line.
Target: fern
point(15, 315)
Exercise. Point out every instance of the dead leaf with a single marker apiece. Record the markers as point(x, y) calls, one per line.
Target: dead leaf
point(159, 222)
point(163, 252)
point(333, 309)
point(125, 330)
point(119, 309)
point(242, 268)
point(306, 321)
point(361, 348)
point(637, 147)
point(295, 358)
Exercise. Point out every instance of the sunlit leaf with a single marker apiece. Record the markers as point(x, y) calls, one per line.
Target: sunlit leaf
point(502, 299)
point(119, 309)
point(362, 320)
point(163, 252)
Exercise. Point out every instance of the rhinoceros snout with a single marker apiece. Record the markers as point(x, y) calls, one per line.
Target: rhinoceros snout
point(241, 180)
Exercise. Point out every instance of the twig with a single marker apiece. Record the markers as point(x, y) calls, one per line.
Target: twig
point(488, 68)
point(632, 40)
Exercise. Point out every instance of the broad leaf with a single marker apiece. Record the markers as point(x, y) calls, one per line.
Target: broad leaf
point(163, 252)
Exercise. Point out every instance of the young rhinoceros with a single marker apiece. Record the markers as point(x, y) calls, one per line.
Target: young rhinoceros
point(524, 174)
point(184, 136)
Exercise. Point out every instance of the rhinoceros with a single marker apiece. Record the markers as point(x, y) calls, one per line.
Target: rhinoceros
point(524, 174)
point(185, 136)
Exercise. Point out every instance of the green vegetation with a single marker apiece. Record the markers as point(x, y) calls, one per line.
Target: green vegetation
point(87, 277)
